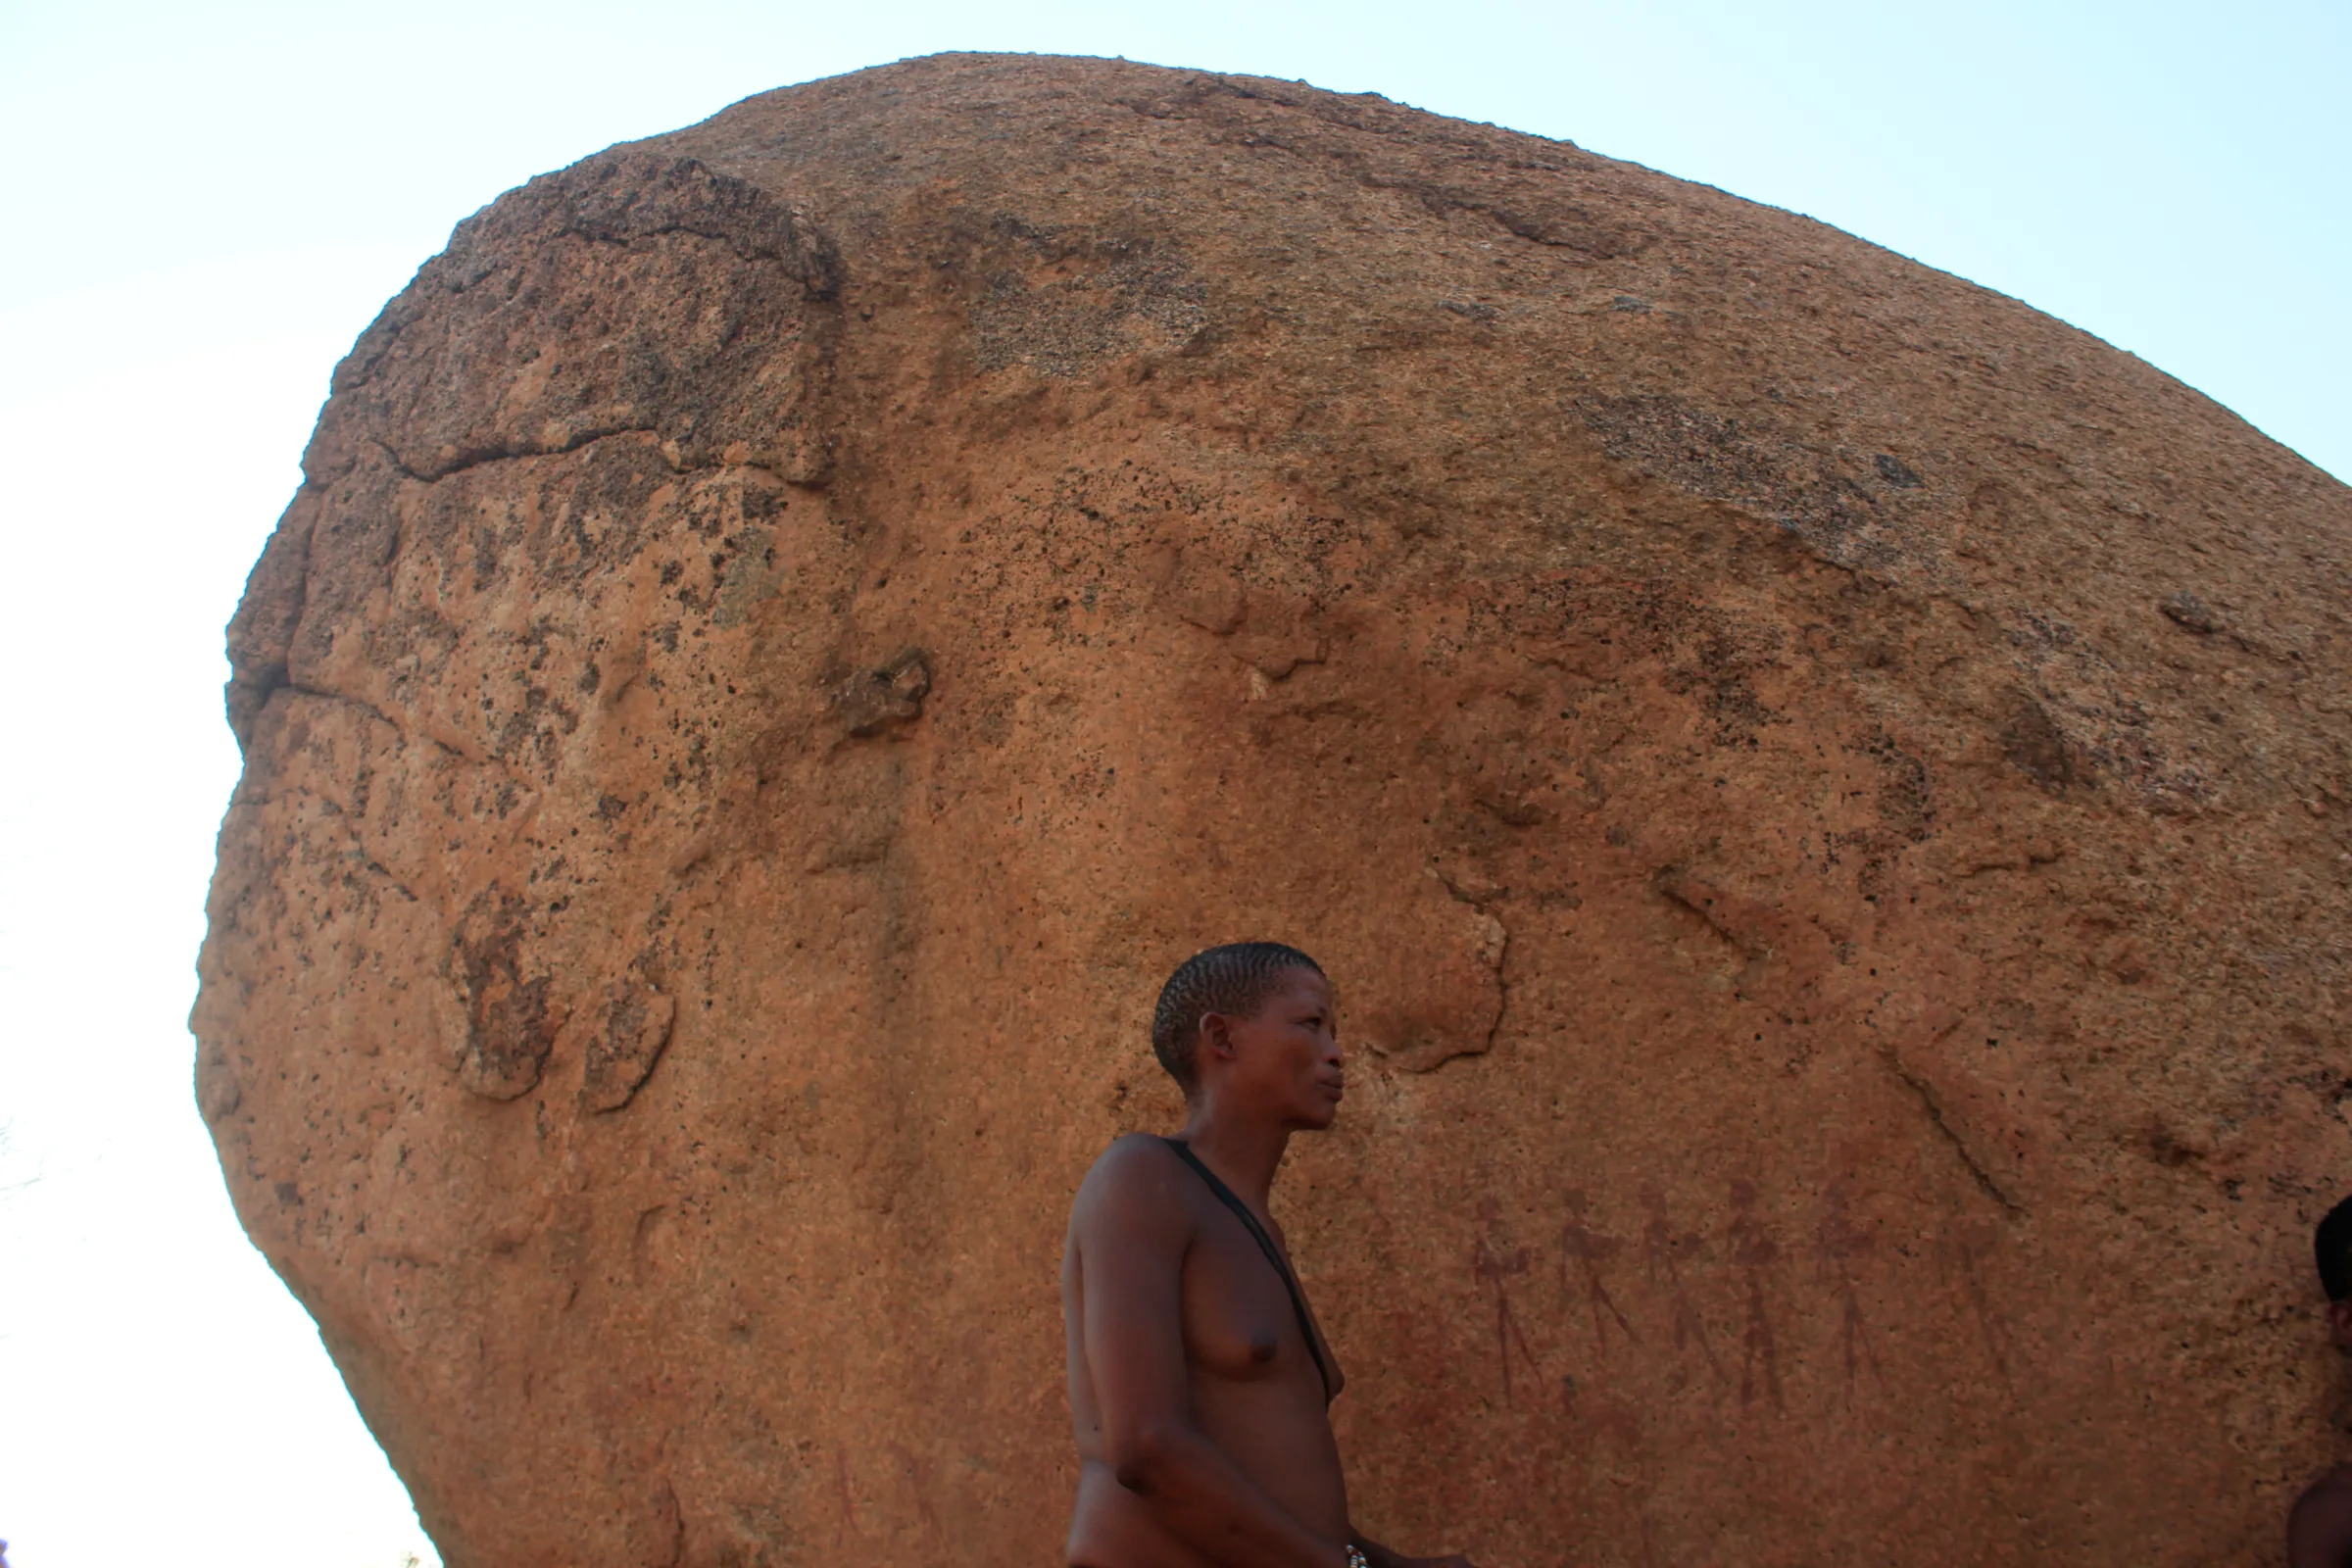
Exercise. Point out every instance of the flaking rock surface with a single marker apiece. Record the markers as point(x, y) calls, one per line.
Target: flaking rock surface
point(1824, 792)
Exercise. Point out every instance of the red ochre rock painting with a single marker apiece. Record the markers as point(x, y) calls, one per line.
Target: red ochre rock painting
point(1824, 792)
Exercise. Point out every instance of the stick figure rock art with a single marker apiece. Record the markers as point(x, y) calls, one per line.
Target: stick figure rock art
point(1494, 1262)
point(1665, 1248)
point(1590, 1249)
point(1838, 1245)
point(1965, 1248)
point(1754, 1250)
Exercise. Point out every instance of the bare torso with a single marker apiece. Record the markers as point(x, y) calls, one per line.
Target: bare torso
point(1253, 1388)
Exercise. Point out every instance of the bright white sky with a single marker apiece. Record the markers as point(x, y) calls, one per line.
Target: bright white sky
point(210, 201)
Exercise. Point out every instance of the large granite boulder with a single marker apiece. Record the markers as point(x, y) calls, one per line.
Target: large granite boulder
point(1824, 792)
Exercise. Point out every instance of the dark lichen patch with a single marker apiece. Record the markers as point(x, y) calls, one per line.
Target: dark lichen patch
point(2189, 612)
point(874, 700)
point(2035, 746)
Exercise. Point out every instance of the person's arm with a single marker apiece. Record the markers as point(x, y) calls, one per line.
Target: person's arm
point(2319, 1529)
point(1133, 1228)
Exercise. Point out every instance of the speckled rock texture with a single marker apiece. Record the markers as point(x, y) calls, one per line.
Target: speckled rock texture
point(1824, 792)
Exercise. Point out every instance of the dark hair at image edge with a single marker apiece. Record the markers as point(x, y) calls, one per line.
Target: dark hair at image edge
point(2333, 1244)
point(1233, 979)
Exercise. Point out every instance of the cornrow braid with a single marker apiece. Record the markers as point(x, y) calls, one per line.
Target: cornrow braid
point(2332, 1241)
point(1233, 979)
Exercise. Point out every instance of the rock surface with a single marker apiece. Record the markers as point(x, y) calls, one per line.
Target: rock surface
point(1823, 789)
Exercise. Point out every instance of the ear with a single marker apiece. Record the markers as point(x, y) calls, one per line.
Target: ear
point(2340, 1320)
point(1216, 1036)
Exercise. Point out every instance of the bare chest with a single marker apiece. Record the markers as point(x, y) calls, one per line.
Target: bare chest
point(1239, 1323)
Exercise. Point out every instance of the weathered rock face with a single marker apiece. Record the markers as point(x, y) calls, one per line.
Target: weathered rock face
point(1824, 792)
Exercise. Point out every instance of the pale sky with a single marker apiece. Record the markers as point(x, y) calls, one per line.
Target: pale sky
point(210, 201)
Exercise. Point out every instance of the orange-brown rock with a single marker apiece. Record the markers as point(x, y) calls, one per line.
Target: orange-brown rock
point(1824, 792)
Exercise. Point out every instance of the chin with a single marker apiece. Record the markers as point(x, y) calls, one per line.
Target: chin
point(1318, 1118)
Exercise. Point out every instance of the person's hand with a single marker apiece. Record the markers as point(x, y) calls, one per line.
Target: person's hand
point(1381, 1557)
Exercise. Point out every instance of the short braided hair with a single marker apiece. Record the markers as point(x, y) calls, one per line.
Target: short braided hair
point(1233, 979)
point(2332, 1241)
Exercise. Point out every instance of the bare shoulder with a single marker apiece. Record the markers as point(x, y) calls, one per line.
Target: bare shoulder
point(2329, 1485)
point(1134, 1161)
point(2318, 1530)
point(1134, 1182)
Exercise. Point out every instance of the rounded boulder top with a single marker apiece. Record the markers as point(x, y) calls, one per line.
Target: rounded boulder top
point(1823, 793)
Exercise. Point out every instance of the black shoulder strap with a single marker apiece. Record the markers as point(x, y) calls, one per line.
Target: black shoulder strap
point(1266, 1243)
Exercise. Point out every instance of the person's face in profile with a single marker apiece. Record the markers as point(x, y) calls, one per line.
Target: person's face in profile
point(1286, 1055)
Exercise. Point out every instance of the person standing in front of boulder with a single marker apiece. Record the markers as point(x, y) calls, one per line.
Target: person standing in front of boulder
point(1200, 1381)
point(2318, 1530)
